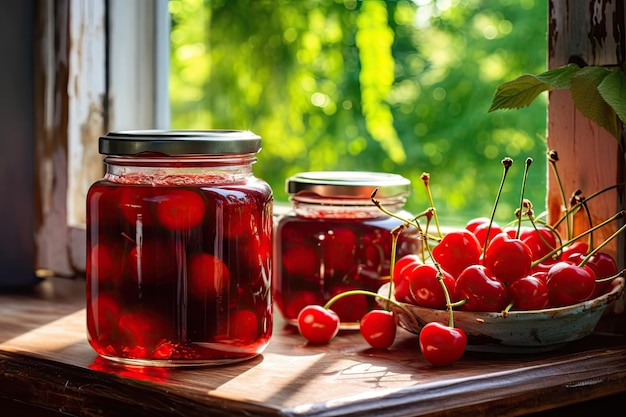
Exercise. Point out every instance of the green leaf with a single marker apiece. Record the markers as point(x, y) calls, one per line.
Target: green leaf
point(613, 91)
point(587, 98)
point(522, 91)
point(558, 78)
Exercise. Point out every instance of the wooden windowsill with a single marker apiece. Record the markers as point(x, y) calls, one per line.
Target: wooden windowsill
point(47, 365)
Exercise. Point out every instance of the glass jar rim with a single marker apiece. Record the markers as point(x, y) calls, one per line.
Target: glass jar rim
point(179, 142)
point(348, 184)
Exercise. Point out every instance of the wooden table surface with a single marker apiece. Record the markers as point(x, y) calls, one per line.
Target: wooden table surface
point(46, 363)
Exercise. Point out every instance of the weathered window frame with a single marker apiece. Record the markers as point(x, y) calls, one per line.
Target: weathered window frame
point(101, 66)
point(95, 68)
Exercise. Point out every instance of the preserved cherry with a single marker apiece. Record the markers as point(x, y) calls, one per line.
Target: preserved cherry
point(179, 251)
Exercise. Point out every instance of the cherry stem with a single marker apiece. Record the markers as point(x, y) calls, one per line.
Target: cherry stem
point(577, 206)
point(533, 221)
point(395, 234)
point(412, 222)
point(616, 216)
point(553, 157)
point(506, 162)
point(424, 237)
point(341, 295)
point(521, 202)
point(612, 277)
point(125, 235)
point(578, 198)
point(443, 285)
point(426, 180)
point(600, 246)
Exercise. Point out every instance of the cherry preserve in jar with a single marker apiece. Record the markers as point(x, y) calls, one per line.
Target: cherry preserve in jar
point(335, 239)
point(179, 244)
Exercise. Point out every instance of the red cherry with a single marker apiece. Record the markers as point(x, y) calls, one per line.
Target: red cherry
point(426, 289)
point(540, 242)
point(544, 266)
point(141, 332)
point(569, 283)
point(136, 205)
point(338, 248)
point(576, 248)
point(481, 232)
point(603, 266)
point(152, 262)
point(243, 326)
point(402, 272)
point(301, 260)
point(207, 275)
point(318, 324)
point(529, 293)
point(378, 328)
point(240, 215)
point(456, 251)
point(474, 223)
point(482, 290)
point(508, 258)
point(105, 263)
point(541, 275)
point(442, 345)
point(403, 262)
point(103, 313)
point(180, 209)
point(512, 231)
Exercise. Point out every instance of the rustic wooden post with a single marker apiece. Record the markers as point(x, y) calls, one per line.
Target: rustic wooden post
point(586, 32)
point(70, 90)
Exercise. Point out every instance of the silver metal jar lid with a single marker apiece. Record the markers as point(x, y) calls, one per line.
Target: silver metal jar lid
point(180, 142)
point(348, 184)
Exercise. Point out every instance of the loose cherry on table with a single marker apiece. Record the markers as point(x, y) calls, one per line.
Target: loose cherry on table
point(318, 324)
point(378, 328)
point(442, 345)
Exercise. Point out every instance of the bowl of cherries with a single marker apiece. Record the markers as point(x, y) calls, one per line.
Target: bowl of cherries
point(521, 287)
point(524, 306)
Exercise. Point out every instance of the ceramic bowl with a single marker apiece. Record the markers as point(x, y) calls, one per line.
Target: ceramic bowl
point(522, 331)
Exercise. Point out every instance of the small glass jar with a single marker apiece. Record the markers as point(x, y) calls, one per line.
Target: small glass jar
point(335, 239)
point(179, 235)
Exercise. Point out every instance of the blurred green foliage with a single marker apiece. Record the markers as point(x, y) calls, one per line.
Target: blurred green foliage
point(395, 86)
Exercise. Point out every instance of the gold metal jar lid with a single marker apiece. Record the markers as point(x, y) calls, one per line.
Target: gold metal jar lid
point(348, 184)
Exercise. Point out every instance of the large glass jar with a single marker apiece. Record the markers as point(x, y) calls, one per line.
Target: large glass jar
point(335, 239)
point(179, 235)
